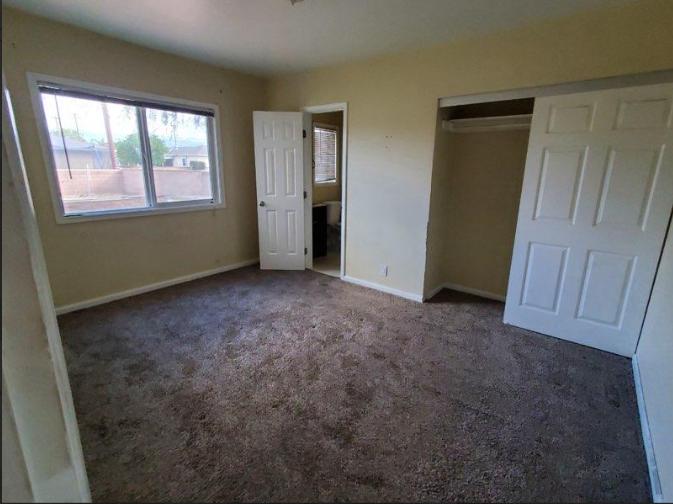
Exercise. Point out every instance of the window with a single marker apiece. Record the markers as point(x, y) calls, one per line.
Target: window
point(114, 153)
point(324, 154)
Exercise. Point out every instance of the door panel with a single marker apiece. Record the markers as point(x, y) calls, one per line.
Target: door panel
point(562, 170)
point(280, 189)
point(626, 192)
point(571, 118)
point(545, 263)
point(596, 200)
point(605, 287)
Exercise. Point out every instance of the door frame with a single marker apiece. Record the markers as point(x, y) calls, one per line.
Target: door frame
point(308, 179)
point(581, 86)
point(74, 482)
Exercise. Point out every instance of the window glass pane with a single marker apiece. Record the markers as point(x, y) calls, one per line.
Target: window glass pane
point(181, 164)
point(325, 154)
point(96, 150)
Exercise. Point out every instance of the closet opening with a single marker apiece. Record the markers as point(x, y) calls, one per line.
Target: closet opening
point(480, 154)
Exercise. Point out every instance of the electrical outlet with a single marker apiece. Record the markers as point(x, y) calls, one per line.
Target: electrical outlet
point(383, 270)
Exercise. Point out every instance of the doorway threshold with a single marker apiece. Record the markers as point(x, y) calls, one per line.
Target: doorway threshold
point(329, 264)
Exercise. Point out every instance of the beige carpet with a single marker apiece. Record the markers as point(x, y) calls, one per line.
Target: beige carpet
point(296, 386)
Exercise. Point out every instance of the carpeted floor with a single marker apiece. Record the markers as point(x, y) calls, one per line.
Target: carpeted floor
point(297, 386)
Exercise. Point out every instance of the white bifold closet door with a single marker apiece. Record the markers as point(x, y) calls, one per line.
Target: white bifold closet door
point(595, 205)
point(279, 167)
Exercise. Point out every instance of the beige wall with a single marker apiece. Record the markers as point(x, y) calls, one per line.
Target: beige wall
point(392, 105)
point(91, 259)
point(655, 360)
point(392, 118)
point(330, 192)
point(478, 190)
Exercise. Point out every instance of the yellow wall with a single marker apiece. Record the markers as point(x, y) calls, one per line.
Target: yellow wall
point(330, 192)
point(91, 259)
point(479, 187)
point(392, 110)
point(392, 117)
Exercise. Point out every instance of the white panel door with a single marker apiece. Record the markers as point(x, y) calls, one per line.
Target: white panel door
point(596, 201)
point(280, 189)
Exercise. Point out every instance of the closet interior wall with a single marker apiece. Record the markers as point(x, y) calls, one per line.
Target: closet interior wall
point(476, 188)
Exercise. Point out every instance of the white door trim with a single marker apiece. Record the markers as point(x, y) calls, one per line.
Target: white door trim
point(42, 488)
point(308, 205)
point(630, 80)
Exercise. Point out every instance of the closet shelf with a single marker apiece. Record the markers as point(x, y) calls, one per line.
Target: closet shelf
point(483, 124)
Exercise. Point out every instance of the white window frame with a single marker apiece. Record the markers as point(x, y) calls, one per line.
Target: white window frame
point(155, 207)
point(337, 160)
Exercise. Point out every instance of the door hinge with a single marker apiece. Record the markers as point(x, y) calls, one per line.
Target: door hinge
point(305, 194)
point(305, 251)
point(303, 133)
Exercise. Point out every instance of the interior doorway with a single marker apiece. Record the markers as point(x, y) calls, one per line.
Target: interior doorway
point(287, 179)
point(325, 183)
point(326, 138)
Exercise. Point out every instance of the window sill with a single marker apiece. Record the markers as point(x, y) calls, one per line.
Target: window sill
point(331, 182)
point(141, 212)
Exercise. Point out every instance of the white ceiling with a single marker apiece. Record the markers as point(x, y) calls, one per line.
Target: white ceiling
point(273, 36)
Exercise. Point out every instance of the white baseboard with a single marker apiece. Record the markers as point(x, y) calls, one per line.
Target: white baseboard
point(88, 303)
point(466, 290)
point(655, 482)
point(383, 288)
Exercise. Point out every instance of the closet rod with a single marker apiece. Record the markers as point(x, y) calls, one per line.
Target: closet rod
point(483, 124)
